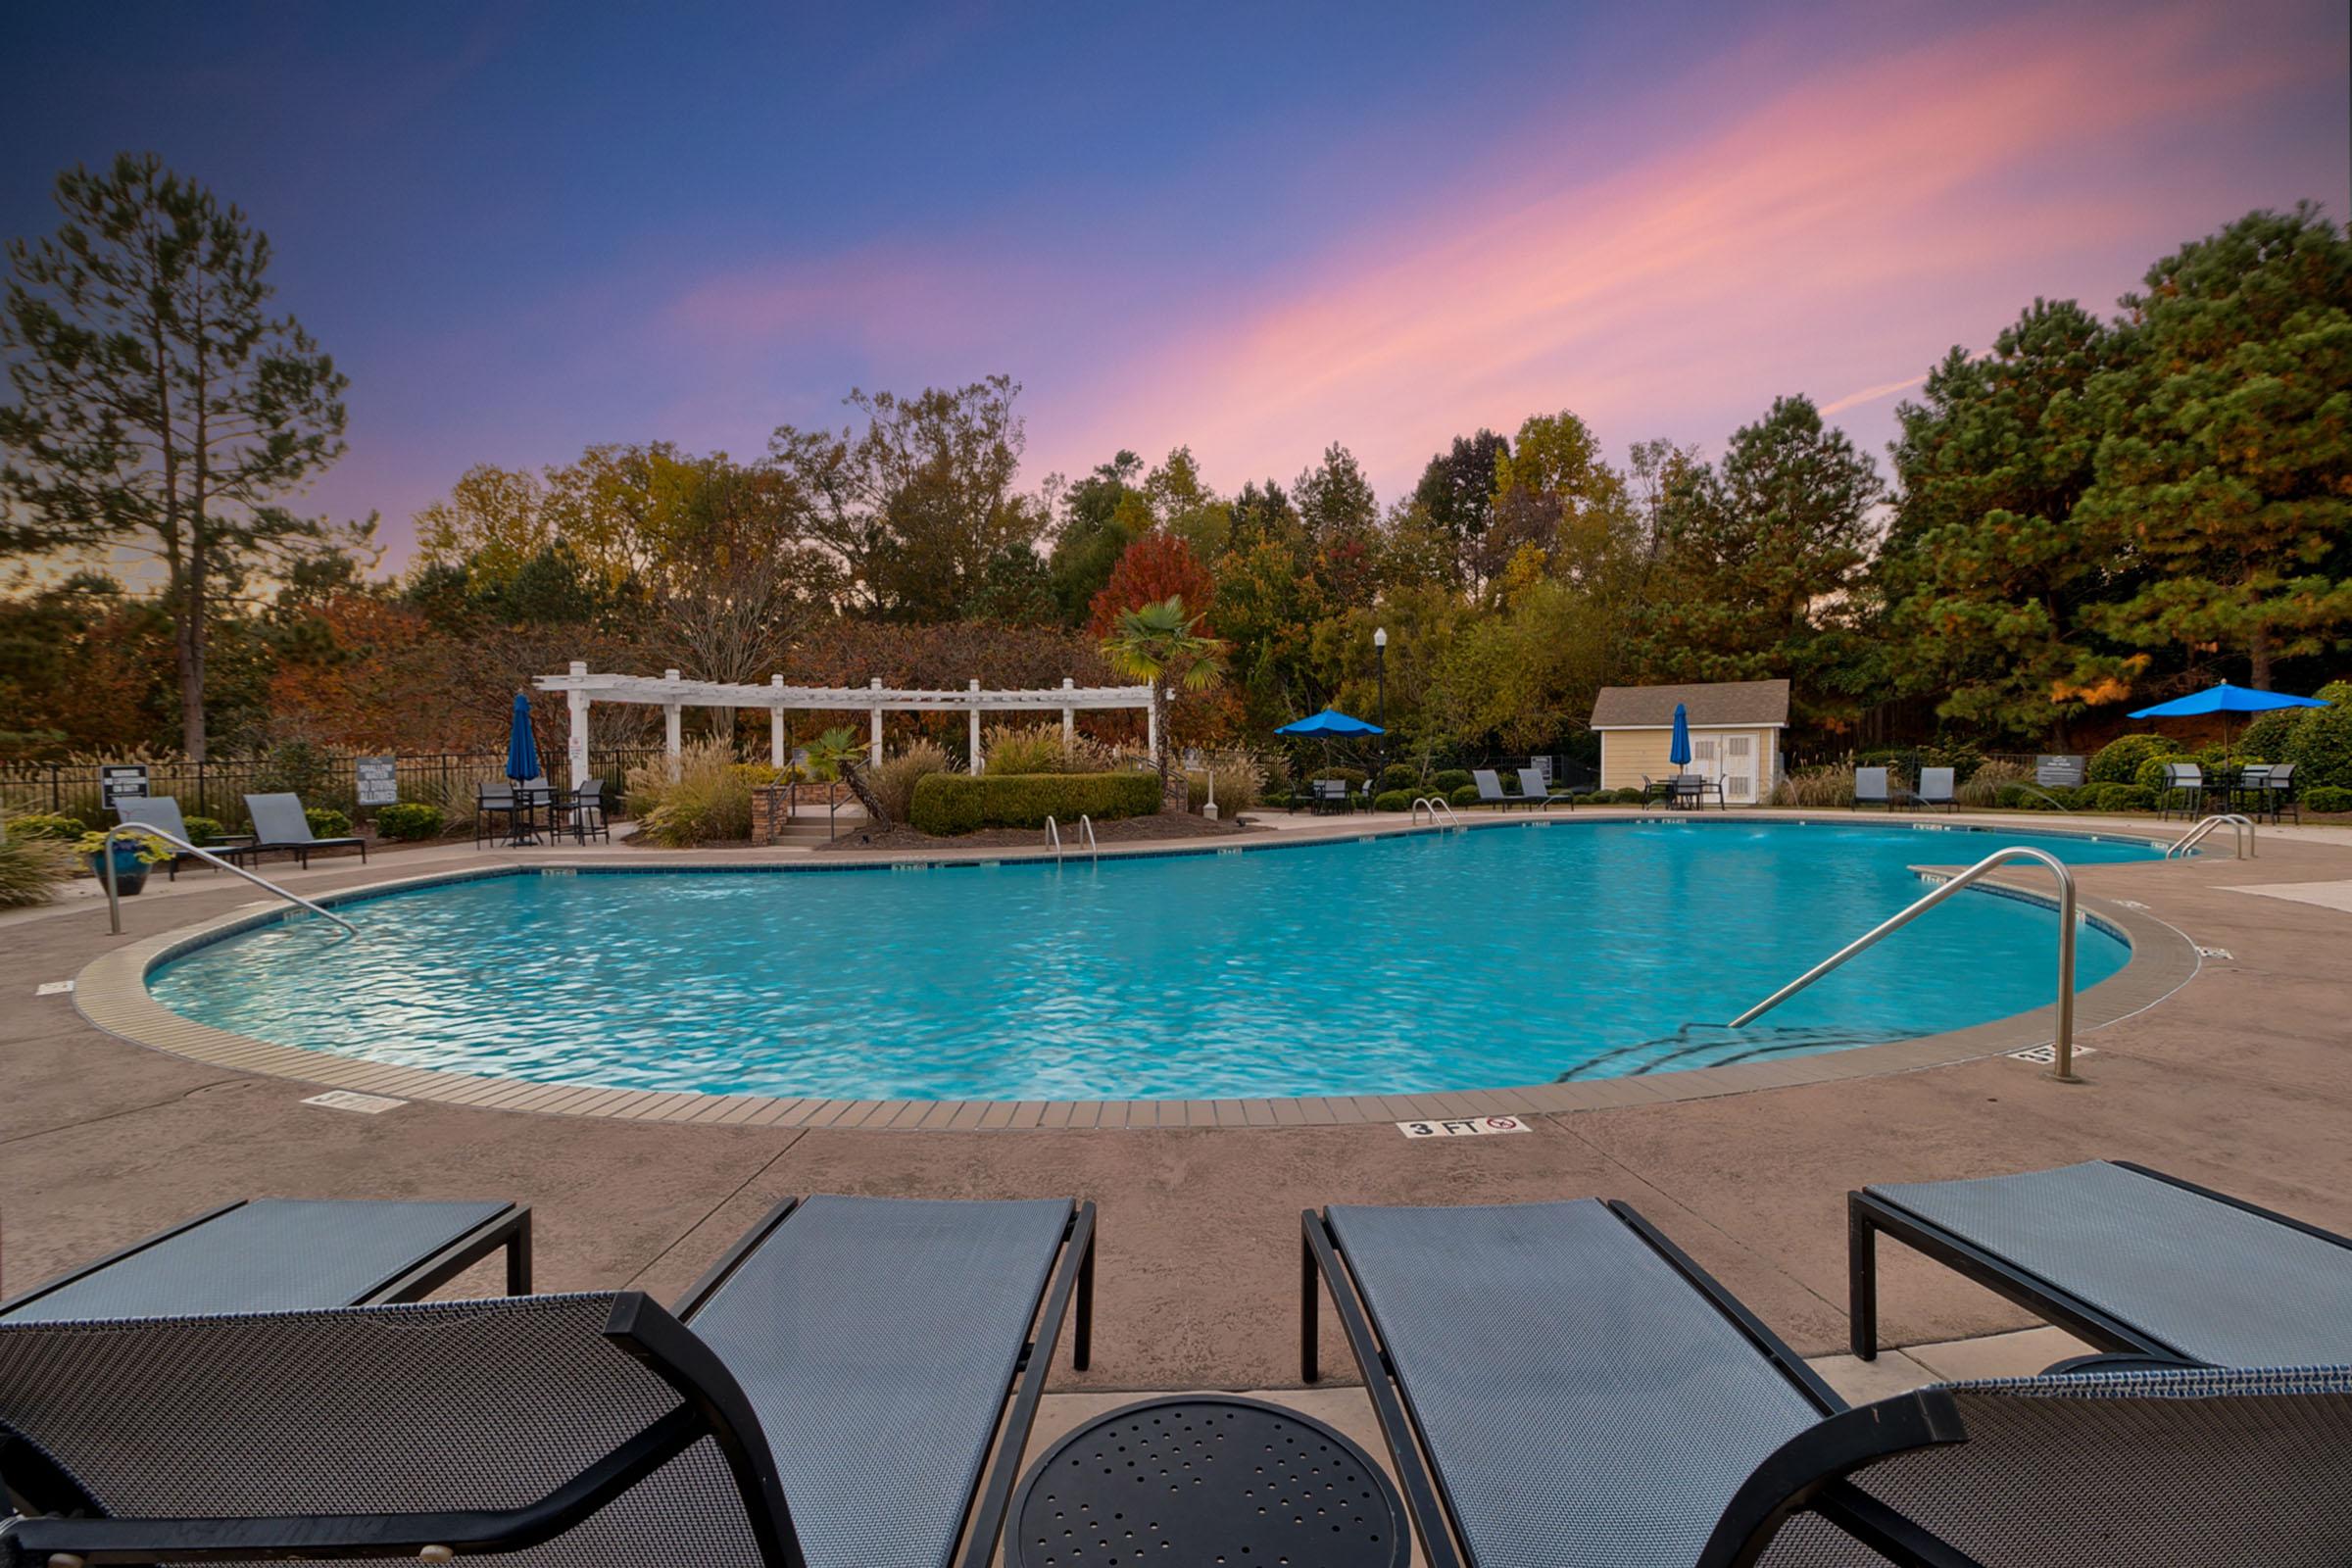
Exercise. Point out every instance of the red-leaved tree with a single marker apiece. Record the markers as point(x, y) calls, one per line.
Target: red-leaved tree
point(1157, 567)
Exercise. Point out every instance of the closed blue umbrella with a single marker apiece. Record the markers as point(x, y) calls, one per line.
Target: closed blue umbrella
point(1678, 752)
point(522, 748)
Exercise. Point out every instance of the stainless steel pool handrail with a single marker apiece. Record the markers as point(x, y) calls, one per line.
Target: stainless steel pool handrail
point(2062, 1067)
point(1054, 837)
point(1086, 827)
point(2241, 835)
point(1436, 805)
point(113, 898)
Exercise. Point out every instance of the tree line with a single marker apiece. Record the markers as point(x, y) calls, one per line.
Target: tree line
point(2099, 510)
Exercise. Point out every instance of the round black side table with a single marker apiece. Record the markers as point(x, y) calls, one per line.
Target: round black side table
point(1208, 1479)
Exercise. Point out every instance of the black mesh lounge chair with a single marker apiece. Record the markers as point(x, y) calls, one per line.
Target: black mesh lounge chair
point(829, 1395)
point(2131, 1259)
point(278, 1254)
point(1537, 792)
point(1491, 791)
point(163, 812)
point(1871, 789)
point(278, 824)
point(1561, 1387)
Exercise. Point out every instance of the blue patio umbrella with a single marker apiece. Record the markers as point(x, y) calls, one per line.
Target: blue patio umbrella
point(522, 748)
point(1677, 752)
point(1330, 722)
point(2226, 699)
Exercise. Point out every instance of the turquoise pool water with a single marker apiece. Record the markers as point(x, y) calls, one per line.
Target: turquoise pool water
point(1479, 959)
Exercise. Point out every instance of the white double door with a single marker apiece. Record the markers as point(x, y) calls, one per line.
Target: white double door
point(1730, 761)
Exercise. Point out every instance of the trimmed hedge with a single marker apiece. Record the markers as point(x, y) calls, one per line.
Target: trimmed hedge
point(2328, 798)
point(946, 803)
point(2117, 798)
point(1450, 779)
point(1392, 801)
point(409, 819)
point(1461, 794)
point(326, 823)
point(1397, 776)
point(52, 826)
point(2119, 761)
point(203, 830)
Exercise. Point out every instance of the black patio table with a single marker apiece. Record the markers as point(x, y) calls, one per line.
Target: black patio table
point(529, 803)
point(1207, 1479)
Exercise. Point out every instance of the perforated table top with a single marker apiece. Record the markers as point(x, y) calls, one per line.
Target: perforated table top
point(1208, 1479)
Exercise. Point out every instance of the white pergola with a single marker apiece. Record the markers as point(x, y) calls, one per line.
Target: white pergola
point(673, 695)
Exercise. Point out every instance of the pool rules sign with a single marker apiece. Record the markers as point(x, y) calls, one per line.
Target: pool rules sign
point(1462, 1127)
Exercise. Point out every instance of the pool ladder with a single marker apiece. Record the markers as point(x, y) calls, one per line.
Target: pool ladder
point(2241, 835)
point(1086, 829)
point(114, 899)
point(1435, 805)
point(2062, 1067)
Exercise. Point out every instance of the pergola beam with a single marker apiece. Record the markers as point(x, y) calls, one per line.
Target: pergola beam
point(672, 693)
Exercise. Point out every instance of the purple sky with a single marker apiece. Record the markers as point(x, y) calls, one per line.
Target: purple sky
point(523, 229)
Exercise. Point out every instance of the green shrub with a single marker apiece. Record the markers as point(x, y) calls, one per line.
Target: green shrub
point(2013, 798)
point(1397, 776)
point(202, 829)
point(2321, 748)
point(31, 867)
point(894, 780)
point(2119, 761)
point(1357, 777)
point(297, 767)
point(1392, 801)
point(47, 825)
point(946, 803)
point(1276, 800)
point(2117, 798)
point(1630, 797)
point(2328, 798)
point(2268, 734)
point(1451, 779)
point(326, 823)
point(1461, 795)
point(709, 799)
point(409, 819)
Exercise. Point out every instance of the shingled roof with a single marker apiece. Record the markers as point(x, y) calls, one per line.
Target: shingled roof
point(1714, 705)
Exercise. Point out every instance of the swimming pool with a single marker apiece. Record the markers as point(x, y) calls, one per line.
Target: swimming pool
point(1499, 956)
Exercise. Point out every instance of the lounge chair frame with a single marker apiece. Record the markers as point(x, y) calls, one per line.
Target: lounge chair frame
point(509, 1231)
point(716, 1406)
point(1807, 1475)
point(1867, 1215)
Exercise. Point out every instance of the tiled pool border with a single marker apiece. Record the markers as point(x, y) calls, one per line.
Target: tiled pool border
point(111, 993)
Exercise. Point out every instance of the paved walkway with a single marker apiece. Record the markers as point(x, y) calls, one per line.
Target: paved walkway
point(2239, 1079)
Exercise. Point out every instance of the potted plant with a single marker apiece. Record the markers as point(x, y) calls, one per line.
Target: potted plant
point(132, 855)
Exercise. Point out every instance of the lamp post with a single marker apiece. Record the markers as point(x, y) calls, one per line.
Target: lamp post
point(1380, 678)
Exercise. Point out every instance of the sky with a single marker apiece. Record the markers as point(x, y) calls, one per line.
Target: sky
point(1255, 229)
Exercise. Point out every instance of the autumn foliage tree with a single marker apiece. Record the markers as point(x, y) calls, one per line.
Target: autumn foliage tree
point(1155, 567)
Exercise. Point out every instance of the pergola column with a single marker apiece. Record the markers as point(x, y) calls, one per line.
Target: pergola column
point(577, 746)
point(874, 748)
point(673, 732)
point(975, 726)
point(1069, 716)
point(776, 725)
point(1151, 730)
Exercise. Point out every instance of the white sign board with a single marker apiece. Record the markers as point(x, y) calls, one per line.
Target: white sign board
point(1462, 1127)
point(349, 1100)
point(378, 783)
point(121, 781)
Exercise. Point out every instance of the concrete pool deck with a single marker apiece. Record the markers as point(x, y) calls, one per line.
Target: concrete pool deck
point(2238, 1079)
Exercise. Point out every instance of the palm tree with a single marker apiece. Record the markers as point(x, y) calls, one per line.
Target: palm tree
point(1159, 643)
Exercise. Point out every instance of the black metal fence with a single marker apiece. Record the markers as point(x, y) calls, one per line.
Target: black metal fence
point(217, 789)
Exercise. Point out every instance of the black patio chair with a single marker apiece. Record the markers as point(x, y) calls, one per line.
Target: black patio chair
point(1329, 796)
point(1561, 1387)
point(2278, 793)
point(278, 1254)
point(278, 823)
point(2183, 790)
point(830, 1394)
point(1690, 792)
point(493, 804)
point(581, 813)
point(2128, 1258)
